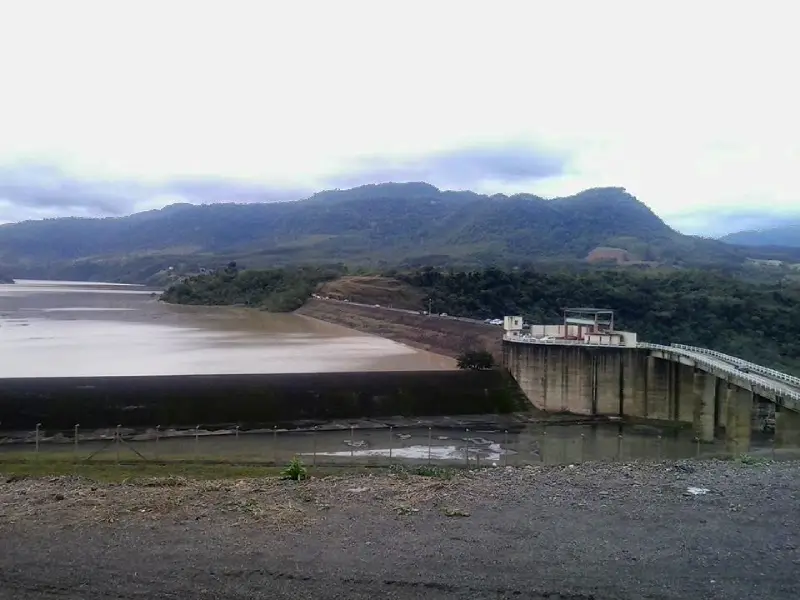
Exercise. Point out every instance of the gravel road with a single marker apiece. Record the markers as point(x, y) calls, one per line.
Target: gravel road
point(600, 531)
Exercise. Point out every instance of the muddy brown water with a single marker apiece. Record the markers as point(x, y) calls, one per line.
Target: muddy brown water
point(62, 329)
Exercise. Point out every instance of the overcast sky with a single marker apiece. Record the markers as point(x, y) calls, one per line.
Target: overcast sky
point(108, 107)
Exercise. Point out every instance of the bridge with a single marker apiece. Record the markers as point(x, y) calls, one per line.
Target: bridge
point(585, 366)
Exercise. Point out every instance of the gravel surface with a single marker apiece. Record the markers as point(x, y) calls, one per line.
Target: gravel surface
point(601, 531)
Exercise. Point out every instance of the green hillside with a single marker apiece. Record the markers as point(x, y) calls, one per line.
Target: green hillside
point(404, 225)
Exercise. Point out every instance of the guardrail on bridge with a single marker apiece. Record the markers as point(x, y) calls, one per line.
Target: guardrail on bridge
point(766, 371)
point(781, 391)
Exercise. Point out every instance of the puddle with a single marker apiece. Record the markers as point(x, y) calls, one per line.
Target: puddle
point(493, 452)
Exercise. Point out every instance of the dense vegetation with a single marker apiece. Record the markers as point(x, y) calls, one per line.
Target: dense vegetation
point(757, 322)
point(475, 359)
point(408, 225)
point(278, 290)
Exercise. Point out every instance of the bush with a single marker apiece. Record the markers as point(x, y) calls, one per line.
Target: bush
point(295, 470)
point(476, 359)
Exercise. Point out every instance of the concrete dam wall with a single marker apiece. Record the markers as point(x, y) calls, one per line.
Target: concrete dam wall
point(643, 384)
point(251, 400)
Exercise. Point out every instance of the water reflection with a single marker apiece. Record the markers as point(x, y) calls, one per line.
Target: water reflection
point(532, 445)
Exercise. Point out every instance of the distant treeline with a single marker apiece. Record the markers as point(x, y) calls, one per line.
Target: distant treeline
point(5, 278)
point(758, 322)
point(277, 290)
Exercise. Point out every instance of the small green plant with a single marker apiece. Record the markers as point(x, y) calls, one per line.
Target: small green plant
point(747, 459)
point(433, 471)
point(295, 470)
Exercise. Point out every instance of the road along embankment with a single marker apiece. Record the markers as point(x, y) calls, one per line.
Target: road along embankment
point(442, 335)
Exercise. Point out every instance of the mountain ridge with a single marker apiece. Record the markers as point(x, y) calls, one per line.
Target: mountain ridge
point(787, 235)
point(386, 224)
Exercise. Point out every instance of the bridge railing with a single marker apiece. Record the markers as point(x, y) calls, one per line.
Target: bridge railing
point(781, 391)
point(529, 339)
point(766, 371)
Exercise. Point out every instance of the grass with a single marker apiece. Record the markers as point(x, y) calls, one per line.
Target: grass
point(108, 470)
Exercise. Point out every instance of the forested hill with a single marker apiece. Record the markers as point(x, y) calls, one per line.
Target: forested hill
point(411, 224)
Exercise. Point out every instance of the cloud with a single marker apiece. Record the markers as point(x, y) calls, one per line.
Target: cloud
point(35, 191)
point(718, 222)
point(30, 190)
point(472, 167)
point(293, 102)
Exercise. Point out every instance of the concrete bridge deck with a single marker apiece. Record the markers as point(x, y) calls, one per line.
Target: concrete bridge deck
point(781, 388)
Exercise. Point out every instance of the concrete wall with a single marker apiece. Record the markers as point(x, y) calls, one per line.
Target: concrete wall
point(250, 400)
point(637, 382)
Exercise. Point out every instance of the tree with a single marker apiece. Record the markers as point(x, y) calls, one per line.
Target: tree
point(476, 359)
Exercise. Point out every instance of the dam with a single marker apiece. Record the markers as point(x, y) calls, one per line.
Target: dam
point(585, 366)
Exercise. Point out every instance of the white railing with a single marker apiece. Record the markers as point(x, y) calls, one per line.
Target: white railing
point(762, 382)
point(766, 371)
point(529, 339)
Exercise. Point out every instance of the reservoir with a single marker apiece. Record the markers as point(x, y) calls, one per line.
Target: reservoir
point(74, 329)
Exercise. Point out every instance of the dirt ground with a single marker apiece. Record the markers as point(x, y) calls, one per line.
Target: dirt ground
point(589, 531)
point(374, 290)
point(448, 337)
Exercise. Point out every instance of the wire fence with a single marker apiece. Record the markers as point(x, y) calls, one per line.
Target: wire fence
point(368, 447)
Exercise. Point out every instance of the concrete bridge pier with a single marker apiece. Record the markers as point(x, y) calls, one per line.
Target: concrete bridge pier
point(717, 401)
point(738, 418)
point(787, 428)
point(705, 405)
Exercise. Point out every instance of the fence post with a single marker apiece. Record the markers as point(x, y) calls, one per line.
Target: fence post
point(275, 443)
point(660, 447)
point(466, 449)
point(505, 449)
point(619, 447)
point(158, 434)
point(237, 433)
point(314, 456)
point(38, 426)
point(117, 438)
point(196, 441)
point(429, 445)
point(583, 447)
point(77, 425)
point(351, 441)
point(390, 444)
point(544, 442)
point(697, 447)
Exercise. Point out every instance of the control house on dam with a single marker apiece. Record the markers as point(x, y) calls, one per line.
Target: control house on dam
point(585, 366)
